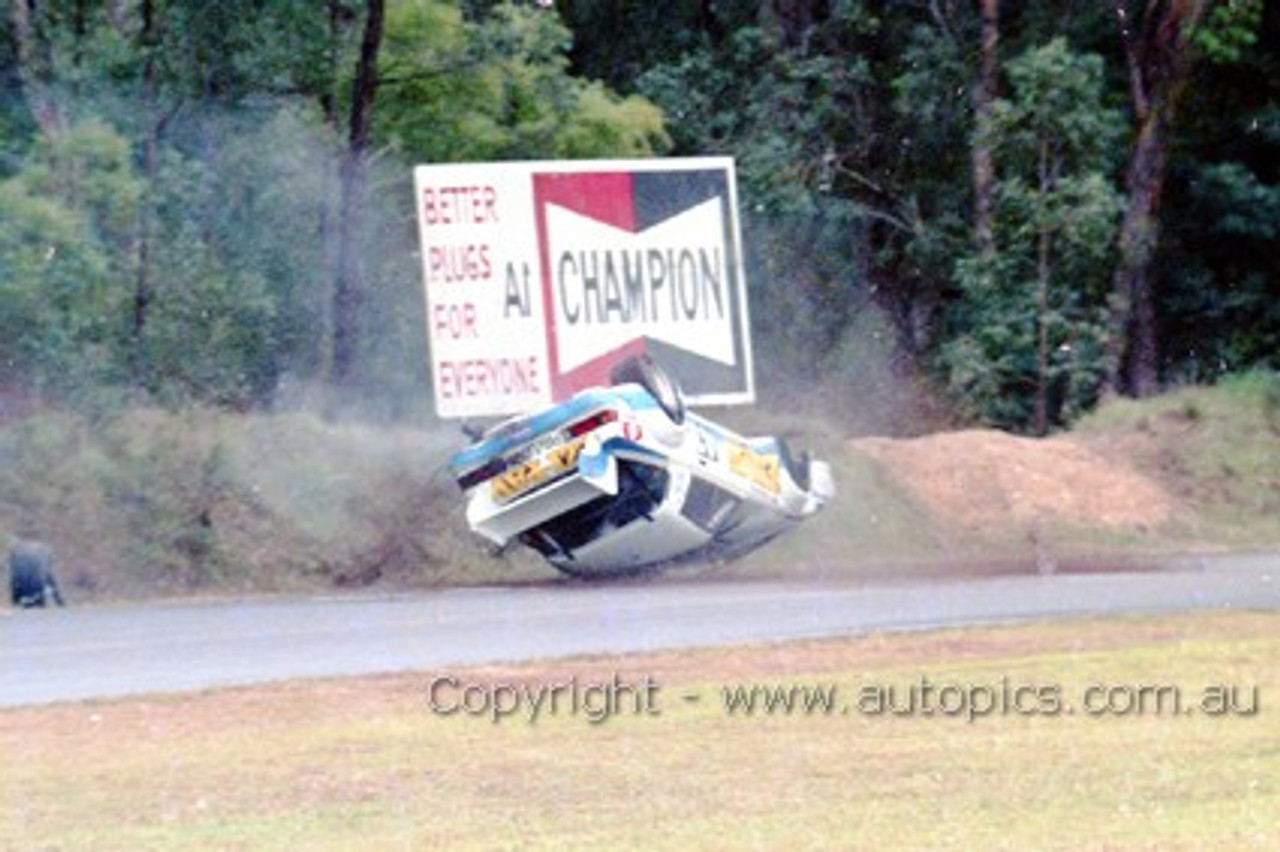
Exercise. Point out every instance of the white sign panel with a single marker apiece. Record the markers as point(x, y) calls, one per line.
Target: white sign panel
point(540, 276)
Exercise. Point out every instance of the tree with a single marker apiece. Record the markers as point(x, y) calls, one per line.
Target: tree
point(261, 221)
point(796, 166)
point(349, 288)
point(17, 124)
point(35, 64)
point(1033, 318)
point(618, 42)
point(498, 86)
point(984, 95)
point(65, 224)
point(1160, 52)
point(144, 286)
point(1217, 266)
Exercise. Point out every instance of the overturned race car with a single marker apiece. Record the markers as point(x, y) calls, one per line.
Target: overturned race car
point(622, 479)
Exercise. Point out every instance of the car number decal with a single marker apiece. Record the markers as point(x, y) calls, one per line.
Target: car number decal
point(536, 470)
point(708, 448)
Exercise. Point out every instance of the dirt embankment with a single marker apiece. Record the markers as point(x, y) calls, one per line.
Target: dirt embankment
point(981, 481)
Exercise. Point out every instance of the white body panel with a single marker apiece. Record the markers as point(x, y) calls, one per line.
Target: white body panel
point(634, 488)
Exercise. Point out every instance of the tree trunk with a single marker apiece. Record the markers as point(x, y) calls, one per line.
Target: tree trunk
point(348, 296)
point(1160, 58)
point(793, 20)
point(80, 34)
point(1043, 249)
point(143, 291)
point(338, 18)
point(984, 95)
point(1134, 354)
point(35, 67)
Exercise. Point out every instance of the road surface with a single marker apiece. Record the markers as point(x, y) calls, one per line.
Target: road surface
point(99, 652)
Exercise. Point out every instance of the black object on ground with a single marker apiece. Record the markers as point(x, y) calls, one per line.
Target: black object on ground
point(31, 580)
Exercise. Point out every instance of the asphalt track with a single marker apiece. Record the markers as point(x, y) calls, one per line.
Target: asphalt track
point(102, 652)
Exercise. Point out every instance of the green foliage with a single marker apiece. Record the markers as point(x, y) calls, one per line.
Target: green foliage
point(527, 92)
point(173, 230)
point(1033, 322)
point(776, 110)
point(992, 366)
point(199, 162)
point(1219, 268)
point(606, 125)
point(267, 194)
point(498, 88)
point(616, 42)
point(927, 141)
point(934, 69)
point(1055, 91)
point(1244, 205)
point(782, 112)
point(239, 264)
point(1230, 29)
point(1221, 300)
point(65, 225)
point(17, 125)
point(427, 71)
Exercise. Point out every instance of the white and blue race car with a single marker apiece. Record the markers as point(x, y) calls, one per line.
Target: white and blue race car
point(620, 479)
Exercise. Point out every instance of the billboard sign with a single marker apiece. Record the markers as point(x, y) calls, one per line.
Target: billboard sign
point(540, 276)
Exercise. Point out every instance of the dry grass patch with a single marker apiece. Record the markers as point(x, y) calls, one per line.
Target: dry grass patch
point(987, 481)
point(364, 764)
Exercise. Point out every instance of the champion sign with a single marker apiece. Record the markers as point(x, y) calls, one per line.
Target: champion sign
point(541, 276)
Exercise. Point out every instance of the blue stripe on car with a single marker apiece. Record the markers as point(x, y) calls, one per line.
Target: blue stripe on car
point(545, 421)
point(614, 445)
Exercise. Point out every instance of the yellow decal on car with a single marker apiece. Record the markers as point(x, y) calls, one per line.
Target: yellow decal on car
point(760, 468)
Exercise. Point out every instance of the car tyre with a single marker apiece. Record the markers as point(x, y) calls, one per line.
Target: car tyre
point(31, 580)
point(646, 372)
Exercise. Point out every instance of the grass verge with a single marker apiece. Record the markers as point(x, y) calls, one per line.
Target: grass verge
point(146, 503)
point(1217, 449)
point(150, 503)
point(348, 764)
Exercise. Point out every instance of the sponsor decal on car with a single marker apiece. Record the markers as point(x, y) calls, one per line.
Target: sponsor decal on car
point(762, 469)
point(537, 470)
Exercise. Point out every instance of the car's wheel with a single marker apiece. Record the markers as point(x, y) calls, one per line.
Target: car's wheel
point(31, 580)
point(797, 469)
point(646, 372)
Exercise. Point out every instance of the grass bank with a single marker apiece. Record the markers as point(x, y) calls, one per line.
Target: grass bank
point(366, 764)
point(149, 503)
point(1216, 449)
point(1193, 470)
point(152, 503)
